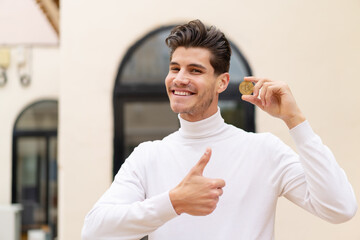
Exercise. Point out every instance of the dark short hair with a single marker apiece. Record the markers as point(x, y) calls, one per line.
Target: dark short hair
point(196, 34)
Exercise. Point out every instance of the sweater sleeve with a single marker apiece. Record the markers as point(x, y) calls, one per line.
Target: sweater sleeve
point(319, 185)
point(124, 212)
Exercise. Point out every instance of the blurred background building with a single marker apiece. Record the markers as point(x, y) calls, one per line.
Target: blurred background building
point(82, 84)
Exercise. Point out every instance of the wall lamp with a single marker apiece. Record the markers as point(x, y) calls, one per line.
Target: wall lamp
point(4, 64)
point(23, 58)
point(23, 61)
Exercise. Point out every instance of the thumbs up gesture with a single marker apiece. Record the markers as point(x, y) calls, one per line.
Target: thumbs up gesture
point(196, 194)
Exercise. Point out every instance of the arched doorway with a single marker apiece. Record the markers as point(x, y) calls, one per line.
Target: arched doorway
point(34, 174)
point(141, 107)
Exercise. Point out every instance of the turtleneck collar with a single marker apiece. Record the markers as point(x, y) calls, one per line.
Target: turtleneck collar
point(202, 129)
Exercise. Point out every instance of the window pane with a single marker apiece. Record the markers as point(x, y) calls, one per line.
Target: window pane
point(233, 113)
point(147, 121)
point(40, 116)
point(31, 180)
point(238, 69)
point(149, 63)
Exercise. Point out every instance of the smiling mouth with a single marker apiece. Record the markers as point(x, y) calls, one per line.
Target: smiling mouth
point(182, 93)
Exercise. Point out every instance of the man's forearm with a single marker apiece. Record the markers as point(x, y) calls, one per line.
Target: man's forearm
point(127, 221)
point(329, 191)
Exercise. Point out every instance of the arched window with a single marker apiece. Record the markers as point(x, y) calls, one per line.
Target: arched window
point(34, 178)
point(141, 107)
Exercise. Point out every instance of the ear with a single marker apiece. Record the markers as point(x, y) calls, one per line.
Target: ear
point(222, 82)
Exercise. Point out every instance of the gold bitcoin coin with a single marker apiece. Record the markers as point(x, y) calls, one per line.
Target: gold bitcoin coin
point(246, 88)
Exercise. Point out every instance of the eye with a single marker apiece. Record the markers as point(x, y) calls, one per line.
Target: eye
point(195, 70)
point(174, 69)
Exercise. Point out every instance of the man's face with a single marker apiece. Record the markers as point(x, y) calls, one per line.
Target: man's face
point(191, 84)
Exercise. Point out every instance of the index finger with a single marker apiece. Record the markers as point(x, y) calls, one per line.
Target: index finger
point(259, 82)
point(251, 79)
point(219, 183)
point(257, 86)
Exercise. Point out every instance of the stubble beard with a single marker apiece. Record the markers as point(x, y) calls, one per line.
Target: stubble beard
point(198, 109)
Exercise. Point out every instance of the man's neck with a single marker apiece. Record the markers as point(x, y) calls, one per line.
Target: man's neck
point(198, 117)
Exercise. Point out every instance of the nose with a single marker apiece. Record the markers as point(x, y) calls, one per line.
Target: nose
point(181, 79)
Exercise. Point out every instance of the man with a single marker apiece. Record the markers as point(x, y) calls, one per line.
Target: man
point(210, 180)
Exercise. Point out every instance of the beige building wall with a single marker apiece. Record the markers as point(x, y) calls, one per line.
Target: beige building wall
point(312, 45)
point(14, 98)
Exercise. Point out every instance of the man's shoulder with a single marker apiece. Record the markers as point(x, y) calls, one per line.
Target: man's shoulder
point(238, 130)
point(253, 137)
point(153, 144)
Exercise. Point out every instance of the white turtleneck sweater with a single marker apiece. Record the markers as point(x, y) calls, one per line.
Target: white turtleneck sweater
point(257, 169)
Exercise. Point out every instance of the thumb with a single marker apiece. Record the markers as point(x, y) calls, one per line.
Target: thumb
point(198, 169)
point(252, 99)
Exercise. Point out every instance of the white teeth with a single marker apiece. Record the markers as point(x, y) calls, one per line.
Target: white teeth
point(181, 93)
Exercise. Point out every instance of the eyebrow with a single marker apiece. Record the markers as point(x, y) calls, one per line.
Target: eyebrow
point(190, 65)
